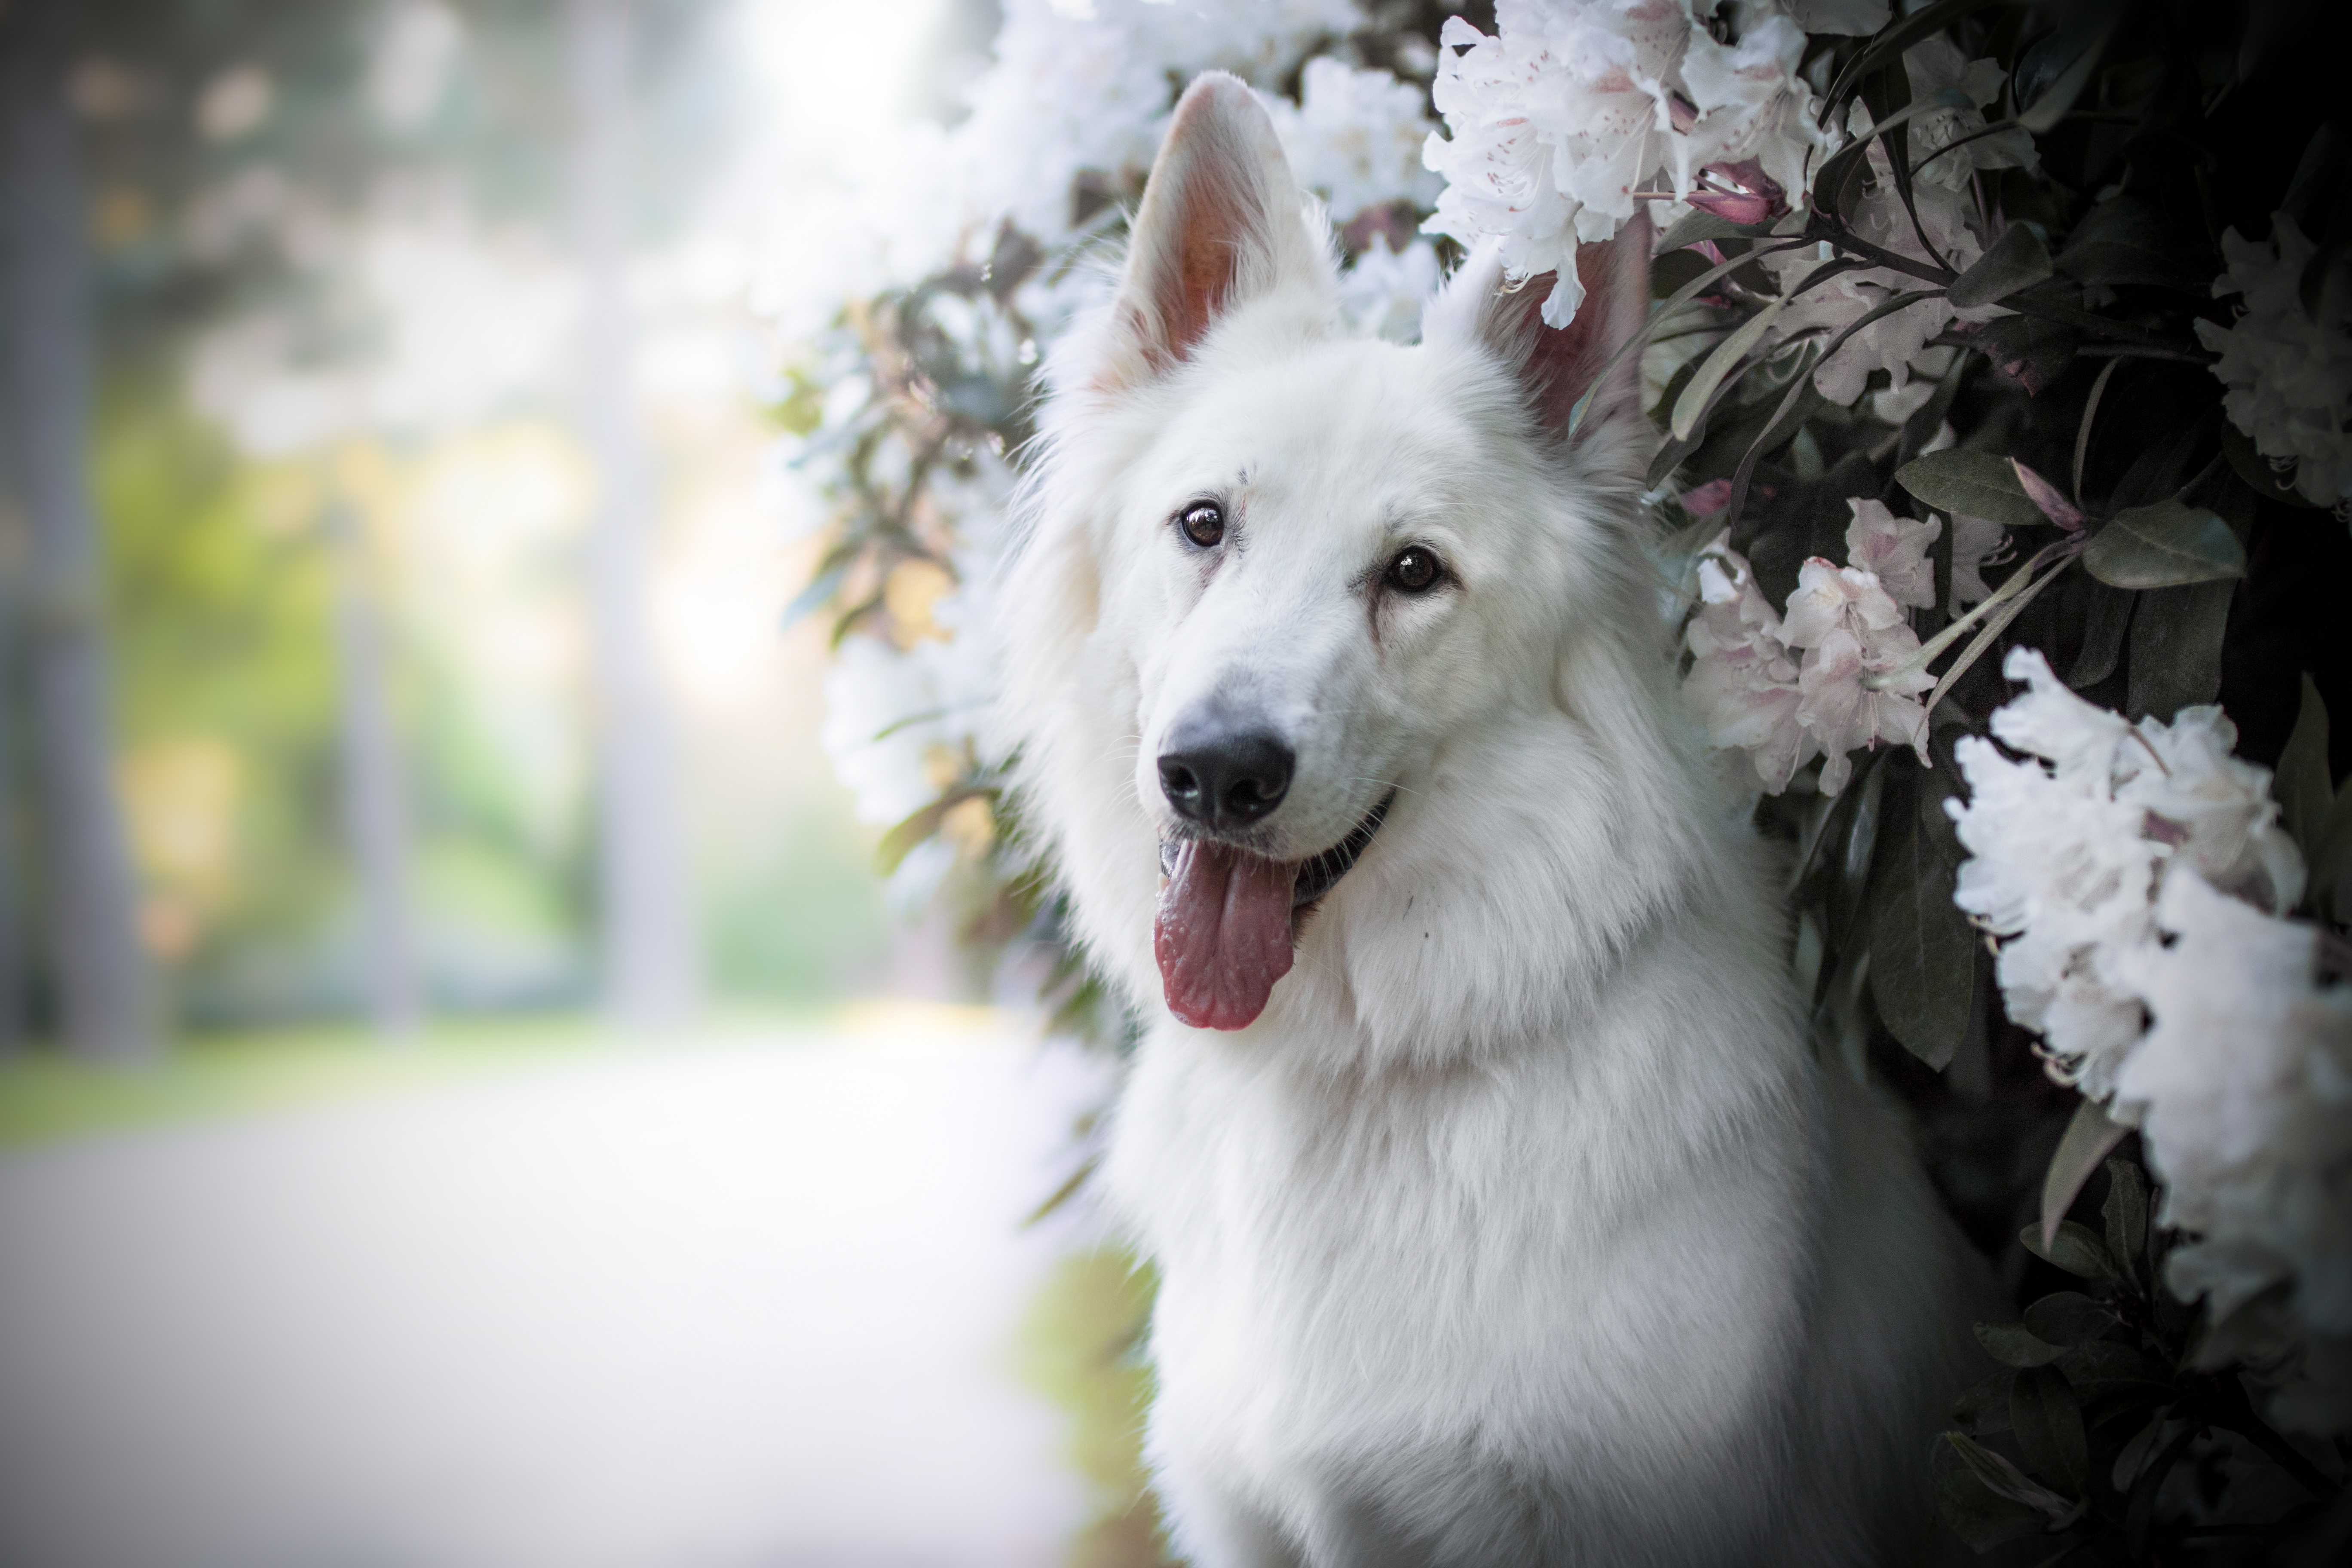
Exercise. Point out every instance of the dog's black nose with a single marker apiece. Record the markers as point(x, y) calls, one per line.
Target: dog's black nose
point(1225, 779)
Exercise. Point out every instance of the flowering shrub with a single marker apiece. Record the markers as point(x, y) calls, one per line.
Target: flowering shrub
point(1956, 349)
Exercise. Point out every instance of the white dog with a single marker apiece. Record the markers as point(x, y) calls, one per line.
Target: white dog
point(1501, 1212)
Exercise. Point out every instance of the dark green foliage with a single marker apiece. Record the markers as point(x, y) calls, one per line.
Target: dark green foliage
point(2108, 1399)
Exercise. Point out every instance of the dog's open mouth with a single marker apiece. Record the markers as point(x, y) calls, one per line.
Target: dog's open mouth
point(1227, 921)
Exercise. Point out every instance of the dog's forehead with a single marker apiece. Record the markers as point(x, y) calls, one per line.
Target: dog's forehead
point(1348, 430)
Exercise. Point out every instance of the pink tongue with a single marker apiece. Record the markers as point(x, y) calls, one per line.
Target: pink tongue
point(1223, 937)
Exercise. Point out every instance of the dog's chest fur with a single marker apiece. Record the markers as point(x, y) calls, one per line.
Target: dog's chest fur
point(1539, 1275)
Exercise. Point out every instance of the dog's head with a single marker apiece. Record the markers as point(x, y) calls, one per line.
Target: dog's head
point(1310, 579)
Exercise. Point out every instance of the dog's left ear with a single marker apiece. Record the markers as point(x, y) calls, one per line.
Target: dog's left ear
point(1556, 366)
point(1221, 224)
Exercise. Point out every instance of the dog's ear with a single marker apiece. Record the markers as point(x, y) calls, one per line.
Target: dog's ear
point(1556, 366)
point(1221, 224)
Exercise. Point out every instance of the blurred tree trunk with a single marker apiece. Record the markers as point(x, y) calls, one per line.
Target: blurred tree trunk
point(375, 803)
point(645, 907)
point(13, 886)
point(100, 972)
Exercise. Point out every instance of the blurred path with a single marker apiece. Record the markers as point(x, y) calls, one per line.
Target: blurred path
point(721, 1306)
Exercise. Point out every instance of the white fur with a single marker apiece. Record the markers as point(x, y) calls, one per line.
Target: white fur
point(1522, 1226)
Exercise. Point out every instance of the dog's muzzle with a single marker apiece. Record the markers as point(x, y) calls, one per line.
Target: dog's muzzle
point(1319, 874)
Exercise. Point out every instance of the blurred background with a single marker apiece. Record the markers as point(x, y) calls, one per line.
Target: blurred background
point(463, 1096)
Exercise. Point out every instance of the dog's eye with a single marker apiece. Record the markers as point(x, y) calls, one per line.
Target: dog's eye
point(1203, 523)
point(1415, 570)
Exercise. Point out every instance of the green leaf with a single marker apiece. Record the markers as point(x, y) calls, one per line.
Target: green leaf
point(2176, 648)
point(1973, 484)
point(2068, 1318)
point(2047, 1421)
point(2029, 350)
point(2007, 1480)
point(2012, 1344)
point(821, 587)
point(2125, 240)
point(1886, 45)
point(1065, 1192)
point(1923, 950)
point(2108, 615)
point(1718, 365)
point(2303, 786)
point(2074, 1248)
point(1853, 868)
point(2164, 546)
point(1658, 313)
point(2051, 104)
point(2089, 1138)
point(2099, 1367)
point(1979, 1516)
point(1992, 627)
point(1699, 224)
point(2125, 1216)
point(1984, 1407)
point(2328, 893)
point(1842, 1023)
point(901, 839)
point(1673, 268)
point(2018, 259)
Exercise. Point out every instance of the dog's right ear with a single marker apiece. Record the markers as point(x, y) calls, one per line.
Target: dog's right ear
point(1220, 226)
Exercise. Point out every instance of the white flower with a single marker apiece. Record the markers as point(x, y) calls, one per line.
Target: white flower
point(2217, 809)
point(1851, 627)
point(1384, 291)
point(1894, 549)
point(1070, 95)
point(2062, 870)
point(1753, 107)
point(1574, 107)
point(2081, 741)
point(886, 730)
point(1743, 683)
point(2068, 857)
point(1975, 543)
point(2242, 1091)
point(2289, 376)
point(1948, 218)
point(1934, 64)
point(1356, 137)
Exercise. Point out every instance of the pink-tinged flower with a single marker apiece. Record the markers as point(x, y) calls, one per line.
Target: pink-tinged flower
point(1843, 715)
point(1894, 549)
point(1743, 680)
point(1851, 627)
point(1576, 112)
point(1830, 596)
point(1739, 193)
point(1708, 499)
point(2045, 495)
